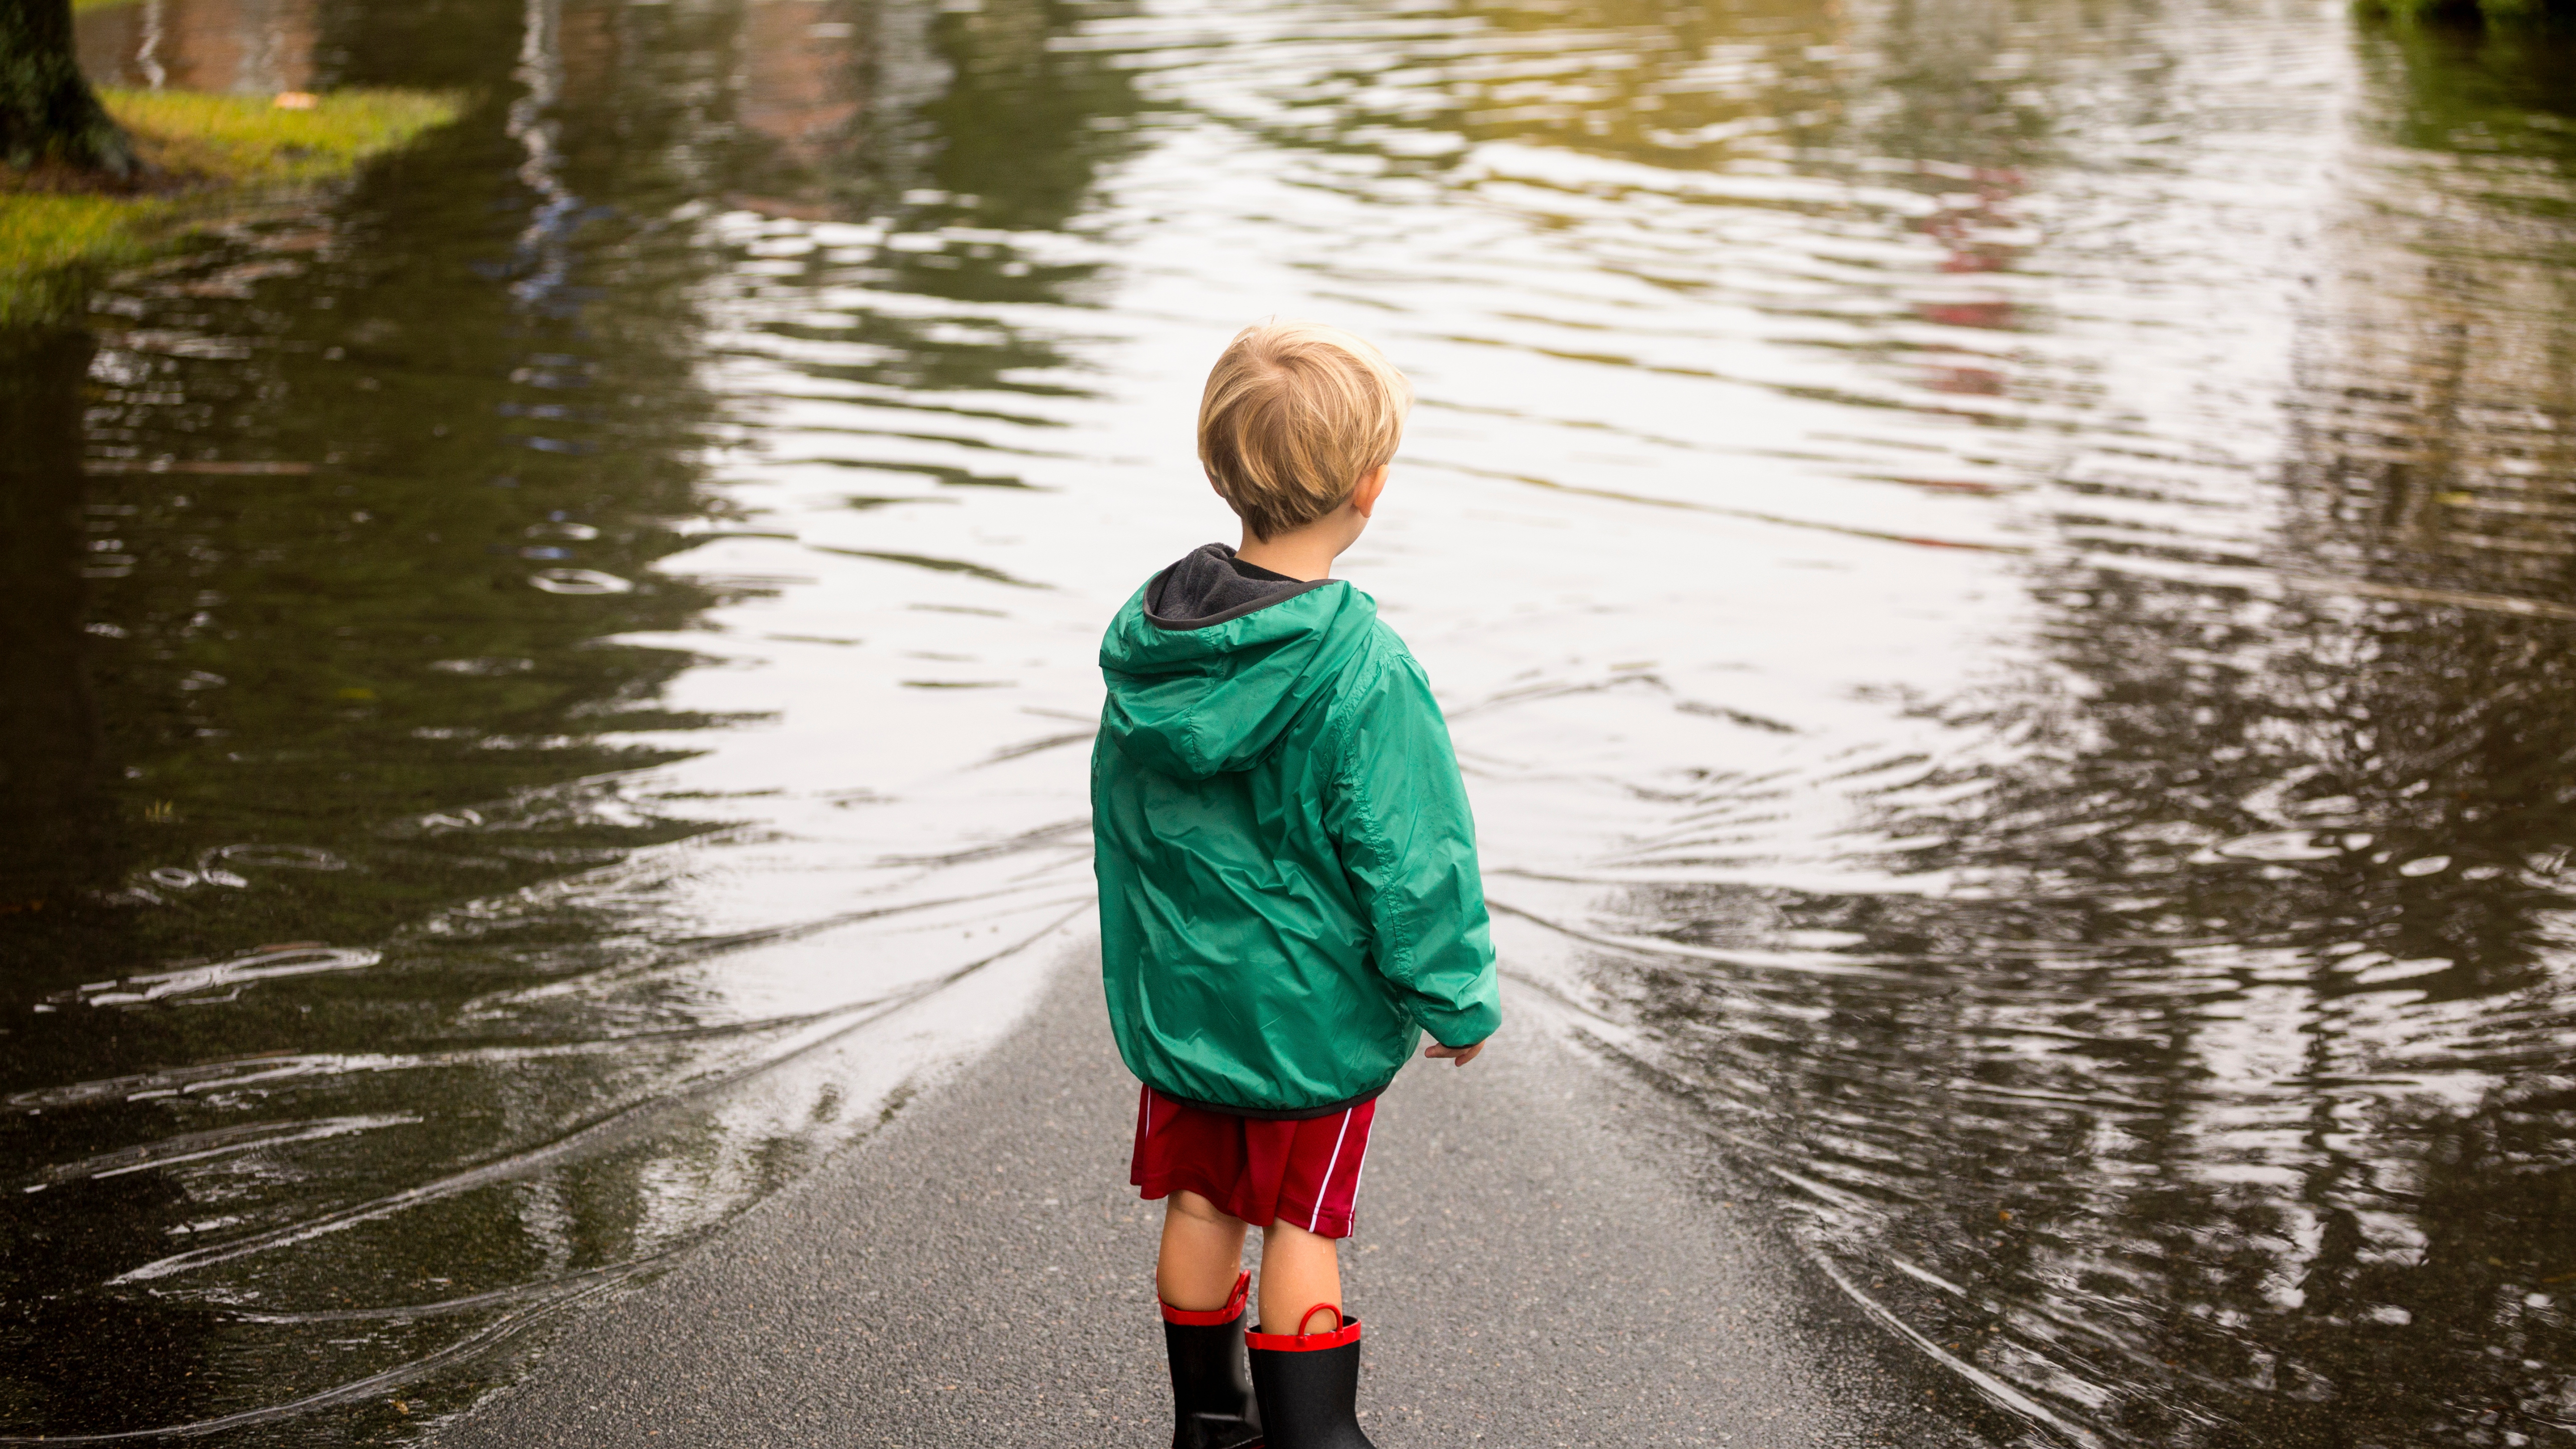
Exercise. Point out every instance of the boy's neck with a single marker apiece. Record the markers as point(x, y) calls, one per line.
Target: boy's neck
point(1306, 553)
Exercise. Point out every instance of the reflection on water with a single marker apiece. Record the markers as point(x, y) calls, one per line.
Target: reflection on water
point(250, 46)
point(2001, 573)
point(2204, 1080)
point(385, 983)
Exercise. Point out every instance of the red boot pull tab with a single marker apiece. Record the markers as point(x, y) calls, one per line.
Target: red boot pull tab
point(1211, 1317)
point(1345, 1330)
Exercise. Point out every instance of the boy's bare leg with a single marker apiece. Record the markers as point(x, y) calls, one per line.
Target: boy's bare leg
point(1202, 1253)
point(1299, 1269)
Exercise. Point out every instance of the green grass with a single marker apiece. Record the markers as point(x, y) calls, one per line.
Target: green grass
point(51, 245)
point(247, 140)
point(219, 148)
point(80, 5)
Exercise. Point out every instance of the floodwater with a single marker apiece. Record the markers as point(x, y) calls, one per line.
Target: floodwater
point(2002, 574)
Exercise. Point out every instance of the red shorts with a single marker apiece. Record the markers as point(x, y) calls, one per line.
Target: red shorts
point(1305, 1172)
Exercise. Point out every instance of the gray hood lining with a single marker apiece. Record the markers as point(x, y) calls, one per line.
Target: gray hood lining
point(1208, 587)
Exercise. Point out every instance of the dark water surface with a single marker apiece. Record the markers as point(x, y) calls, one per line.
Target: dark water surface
point(2002, 574)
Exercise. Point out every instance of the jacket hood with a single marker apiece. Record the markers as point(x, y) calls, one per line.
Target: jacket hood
point(1207, 667)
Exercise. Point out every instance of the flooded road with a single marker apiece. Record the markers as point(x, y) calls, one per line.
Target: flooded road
point(2001, 575)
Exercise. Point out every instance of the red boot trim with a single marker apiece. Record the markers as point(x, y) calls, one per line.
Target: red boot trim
point(1348, 1331)
point(1205, 1317)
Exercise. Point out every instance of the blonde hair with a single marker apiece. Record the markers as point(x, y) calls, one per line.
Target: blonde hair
point(1294, 415)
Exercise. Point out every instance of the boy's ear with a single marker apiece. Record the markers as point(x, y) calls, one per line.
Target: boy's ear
point(1372, 483)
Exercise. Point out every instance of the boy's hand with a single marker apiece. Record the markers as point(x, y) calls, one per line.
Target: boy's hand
point(1458, 1056)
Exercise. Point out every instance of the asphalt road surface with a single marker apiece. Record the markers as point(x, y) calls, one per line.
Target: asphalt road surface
point(1540, 1257)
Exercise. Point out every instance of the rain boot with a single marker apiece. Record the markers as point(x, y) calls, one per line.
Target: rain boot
point(1212, 1407)
point(1309, 1383)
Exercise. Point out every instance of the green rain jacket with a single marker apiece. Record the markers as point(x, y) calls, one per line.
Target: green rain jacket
point(1288, 883)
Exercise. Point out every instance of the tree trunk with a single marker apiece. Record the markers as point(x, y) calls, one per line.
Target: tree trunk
point(47, 110)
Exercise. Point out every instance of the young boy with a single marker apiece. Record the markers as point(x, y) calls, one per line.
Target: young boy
point(1288, 885)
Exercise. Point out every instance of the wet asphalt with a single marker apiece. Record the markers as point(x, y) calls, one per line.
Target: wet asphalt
point(1542, 1257)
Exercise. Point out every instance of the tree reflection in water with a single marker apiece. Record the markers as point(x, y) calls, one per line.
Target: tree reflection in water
point(2222, 1097)
point(325, 554)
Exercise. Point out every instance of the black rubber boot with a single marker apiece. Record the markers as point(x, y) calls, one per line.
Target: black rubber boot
point(1309, 1386)
point(1212, 1407)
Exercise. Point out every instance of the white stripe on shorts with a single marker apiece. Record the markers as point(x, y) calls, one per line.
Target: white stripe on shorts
point(1358, 1175)
point(1324, 1189)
